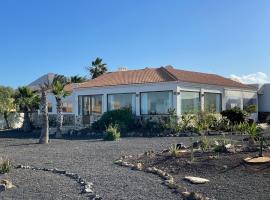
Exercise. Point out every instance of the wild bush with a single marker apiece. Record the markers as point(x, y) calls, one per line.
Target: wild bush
point(170, 123)
point(122, 117)
point(112, 133)
point(235, 115)
point(174, 150)
point(205, 143)
point(5, 166)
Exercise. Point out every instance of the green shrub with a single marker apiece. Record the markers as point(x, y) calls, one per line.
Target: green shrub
point(5, 166)
point(205, 143)
point(224, 124)
point(251, 109)
point(174, 150)
point(188, 122)
point(253, 131)
point(235, 115)
point(112, 133)
point(123, 117)
point(169, 124)
point(242, 127)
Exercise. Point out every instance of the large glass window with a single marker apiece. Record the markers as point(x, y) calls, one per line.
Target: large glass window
point(96, 103)
point(233, 99)
point(190, 102)
point(212, 102)
point(250, 101)
point(67, 107)
point(118, 101)
point(233, 102)
point(156, 102)
point(90, 104)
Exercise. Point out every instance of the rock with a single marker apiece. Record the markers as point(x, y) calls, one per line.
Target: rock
point(139, 166)
point(196, 144)
point(258, 160)
point(7, 183)
point(181, 146)
point(196, 180)
point(193, 196)
point(2, 187)
point(88, 190)
point(118, 162)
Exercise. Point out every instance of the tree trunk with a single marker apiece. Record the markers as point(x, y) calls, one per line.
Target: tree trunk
point(44, 136)
point(26, 122)
point(59, 120)
point(6, 120)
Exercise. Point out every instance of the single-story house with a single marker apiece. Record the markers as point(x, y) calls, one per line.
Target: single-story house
point(152, 91)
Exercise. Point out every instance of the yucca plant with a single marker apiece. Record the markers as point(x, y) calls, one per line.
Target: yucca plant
point(174, 150)
point(205, 143)
point(252, 131)
point(112, 133)
point(5, 166)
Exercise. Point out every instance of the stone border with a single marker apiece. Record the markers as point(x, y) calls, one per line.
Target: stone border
point(87, 187)
point(167, 178)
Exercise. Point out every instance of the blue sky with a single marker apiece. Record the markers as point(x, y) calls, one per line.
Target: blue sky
point(63, 36)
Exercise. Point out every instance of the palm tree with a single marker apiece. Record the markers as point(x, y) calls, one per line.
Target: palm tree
point(78, 79)
point(98, 68)
point(27, 101)
point(58, 89)
point(44, 135)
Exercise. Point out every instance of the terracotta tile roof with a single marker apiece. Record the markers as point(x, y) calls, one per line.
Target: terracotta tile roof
point(204, 78)
point(156, 75)
point(147, 75)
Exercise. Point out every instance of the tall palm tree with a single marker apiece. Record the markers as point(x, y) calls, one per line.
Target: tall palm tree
point(44, 135)
point(78, 79)
point(27, 101)
point(58, 90)
point(98, 68)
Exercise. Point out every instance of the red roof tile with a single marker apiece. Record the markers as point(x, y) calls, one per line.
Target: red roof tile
point(156, 75)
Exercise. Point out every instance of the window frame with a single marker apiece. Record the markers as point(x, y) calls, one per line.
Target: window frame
point(68, 103)
point(154, 92)
point(90, 96)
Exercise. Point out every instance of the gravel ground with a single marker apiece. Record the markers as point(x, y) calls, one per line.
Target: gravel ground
point(230, 177)
point(93, 160)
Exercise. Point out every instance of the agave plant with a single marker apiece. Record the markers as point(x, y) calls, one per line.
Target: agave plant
point(252, 131)
point(174, 150)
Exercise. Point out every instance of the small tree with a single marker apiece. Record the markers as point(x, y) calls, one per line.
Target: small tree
point(58, 89)
point(27, 101)
point(6, 103)
point(98, 68)
point(44, 135)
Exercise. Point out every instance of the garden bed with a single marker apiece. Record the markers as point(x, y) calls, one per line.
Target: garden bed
point(229, 176)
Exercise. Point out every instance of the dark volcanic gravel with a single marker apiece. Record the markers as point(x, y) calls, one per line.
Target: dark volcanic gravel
point(230, 178)
point(93, 160)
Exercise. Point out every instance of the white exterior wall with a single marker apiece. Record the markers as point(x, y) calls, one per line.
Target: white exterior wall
point(264, 98)
point(176, 87)
point(127, 89)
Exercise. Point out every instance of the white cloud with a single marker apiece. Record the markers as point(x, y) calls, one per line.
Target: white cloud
point(258, 77)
